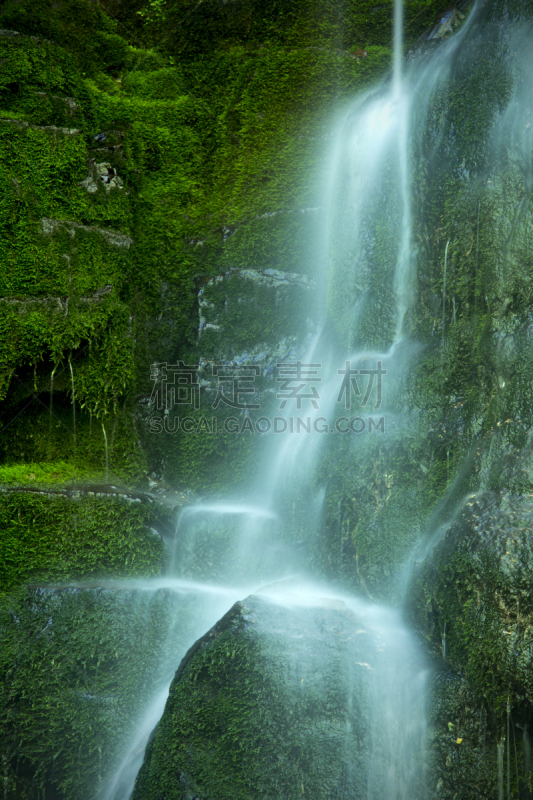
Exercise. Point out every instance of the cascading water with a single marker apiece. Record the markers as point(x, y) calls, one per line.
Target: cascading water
point(267, 539)
point(194, 608)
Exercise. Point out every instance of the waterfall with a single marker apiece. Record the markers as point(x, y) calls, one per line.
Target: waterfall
point(204, 605)
point(397, 47)
point(270, 536)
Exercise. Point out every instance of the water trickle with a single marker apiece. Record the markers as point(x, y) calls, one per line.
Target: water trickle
point(73, 405)
point(208, 603)
point(444, 289)
point(508, 751)
point(51, 409)
point(500, 748)
point(106, 452)
point(526, 747)
point(397, 47)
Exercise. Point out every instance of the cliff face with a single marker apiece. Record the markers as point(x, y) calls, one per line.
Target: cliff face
point(155, 158)
point(162, 173)
point(133, 175)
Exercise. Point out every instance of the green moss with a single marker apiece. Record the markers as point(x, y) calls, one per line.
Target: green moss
point(84, 29)
point(50, 536)
point(202, 145)
point(218, 697)
point(208, 461)
point(58, 472)
point(252, 681)
point(196, 30)
point(462, 760)
point(78, 667)
point(473, 589)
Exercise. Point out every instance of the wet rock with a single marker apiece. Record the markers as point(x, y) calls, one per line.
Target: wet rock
point(55, 304)
point(462, 742)
point(471, 599)
point(19, 123)
point(79, 665)
point(69, 102)
point(444, 27)
point(51, 226)
point(277, 701)
point(251, 317)
point(90, 184)
point(101, 173)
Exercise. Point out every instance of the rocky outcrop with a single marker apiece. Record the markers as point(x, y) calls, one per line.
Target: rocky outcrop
point(280, 699)
point(51, 226)
point(65, 534)
point(463, 743)
point(472, 596)
point(267, 306)
point(471, 599)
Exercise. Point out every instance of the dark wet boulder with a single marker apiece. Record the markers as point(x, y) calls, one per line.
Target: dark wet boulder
point(472, 600)
point(283, 701)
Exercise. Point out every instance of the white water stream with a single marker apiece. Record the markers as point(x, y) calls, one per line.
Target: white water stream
point(372, 163)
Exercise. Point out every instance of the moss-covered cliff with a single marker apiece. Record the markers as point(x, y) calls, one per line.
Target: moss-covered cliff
point(132, 174)
point(149, 149)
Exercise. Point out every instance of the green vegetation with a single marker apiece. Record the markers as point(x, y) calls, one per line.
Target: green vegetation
point(205, 142)
point(78, 666)
point(54, 537)
point(211, 122)
point(46, 474)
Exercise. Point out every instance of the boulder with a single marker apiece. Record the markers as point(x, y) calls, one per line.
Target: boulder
point(471, 599)
point(290, 697)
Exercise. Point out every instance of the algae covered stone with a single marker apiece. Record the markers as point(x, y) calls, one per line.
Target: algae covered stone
point(276, 701)
point(80, 665)
point(472, 598)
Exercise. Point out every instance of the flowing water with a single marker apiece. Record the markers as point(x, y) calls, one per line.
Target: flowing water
point(235, 548)
point(194, 608)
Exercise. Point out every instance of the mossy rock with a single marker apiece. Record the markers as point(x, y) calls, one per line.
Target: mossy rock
point(463, 739)
point(472, 593)
point(67, 534)
point(255, 317)
point(277, 700)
